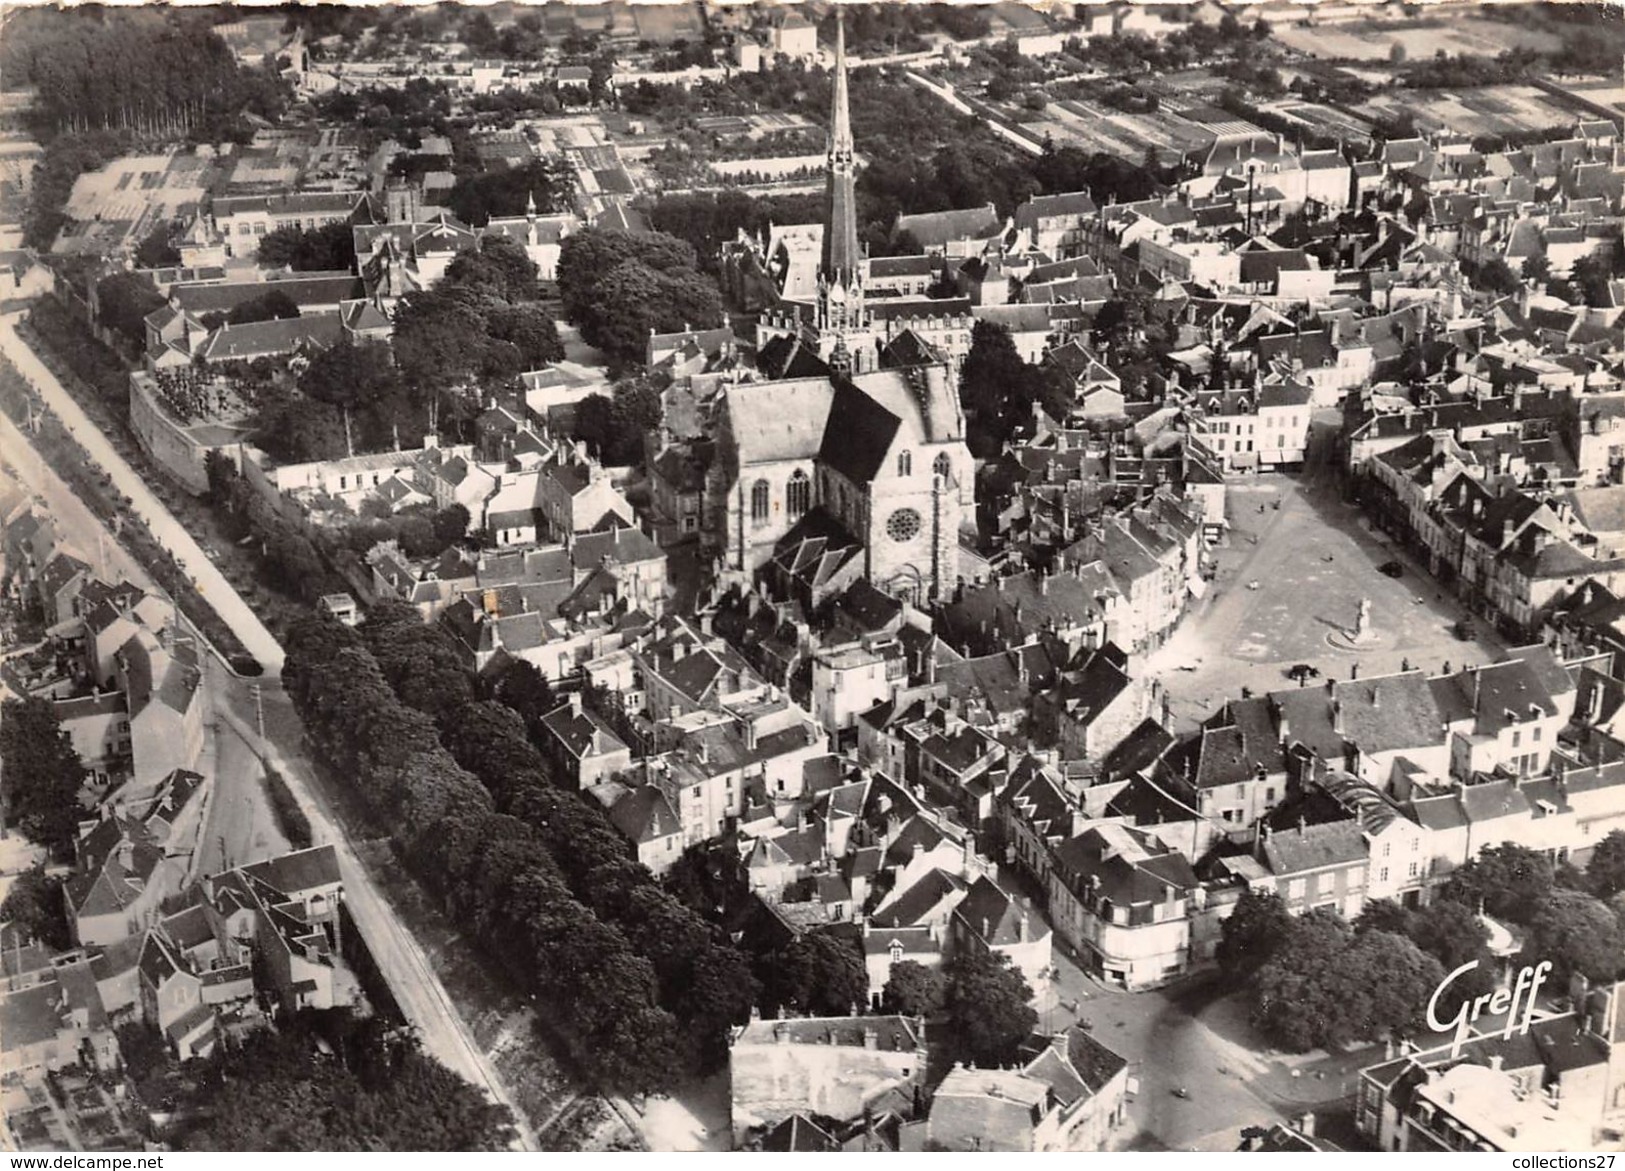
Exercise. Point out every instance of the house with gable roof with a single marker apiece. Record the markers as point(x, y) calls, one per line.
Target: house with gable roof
point(646, 819)
point(122, 874)
point(1068, 1094)
point(1324, 864)
point(582, 744)
point(993, 920)
point(55, 1023)
point(163, 691)
point(1036, 814)
point(1122, 900)
point(1092, 708)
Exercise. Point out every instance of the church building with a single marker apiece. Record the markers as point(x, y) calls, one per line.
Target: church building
point(864, 457)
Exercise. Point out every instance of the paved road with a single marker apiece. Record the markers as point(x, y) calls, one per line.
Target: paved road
point(418, 991)
point(421, 996)
point(73, 518)
point(1168, 1046)
point(240, 827)
point(168, 531)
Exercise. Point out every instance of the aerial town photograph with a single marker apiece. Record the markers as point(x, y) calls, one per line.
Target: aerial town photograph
point(868, 577)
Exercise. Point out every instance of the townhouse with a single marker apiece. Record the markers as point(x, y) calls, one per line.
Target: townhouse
point(1120, 900)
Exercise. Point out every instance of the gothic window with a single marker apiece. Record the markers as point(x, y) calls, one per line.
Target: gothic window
point(943, 466)
point(905, 463)
point(798, 495)
point(758, 501)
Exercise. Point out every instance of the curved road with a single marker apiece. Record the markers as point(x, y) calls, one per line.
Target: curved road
point(417, 989)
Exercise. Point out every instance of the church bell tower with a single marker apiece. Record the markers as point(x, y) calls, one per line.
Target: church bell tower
point(841, 268)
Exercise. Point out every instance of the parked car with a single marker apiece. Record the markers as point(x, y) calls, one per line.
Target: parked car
point(1298, 672)
point(1391, 569)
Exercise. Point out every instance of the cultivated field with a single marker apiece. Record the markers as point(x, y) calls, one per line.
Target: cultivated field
point(1325, 120)
point(1373, 42)
point(1494, 109)
point(1604, 90)
point(1094, 126)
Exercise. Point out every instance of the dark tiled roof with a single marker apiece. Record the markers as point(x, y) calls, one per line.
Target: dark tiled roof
point(859, 434)
point(644, 815)
point(300, 871)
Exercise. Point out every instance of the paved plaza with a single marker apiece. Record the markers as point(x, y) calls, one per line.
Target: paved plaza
point(1297, 563)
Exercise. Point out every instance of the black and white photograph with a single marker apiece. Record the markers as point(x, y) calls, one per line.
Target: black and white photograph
point(816, 577)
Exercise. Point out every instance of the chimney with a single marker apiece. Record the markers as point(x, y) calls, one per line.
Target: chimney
point(575, 703)
point(1306, 1125)
point(871, 1039)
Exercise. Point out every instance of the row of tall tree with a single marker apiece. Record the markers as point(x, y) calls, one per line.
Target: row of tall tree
point(149, 71)
point(543, 881)
point(700, 980)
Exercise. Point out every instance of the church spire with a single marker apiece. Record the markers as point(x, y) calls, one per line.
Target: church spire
point(841, 256)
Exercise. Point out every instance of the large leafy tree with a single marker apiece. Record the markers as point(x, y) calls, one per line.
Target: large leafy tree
point(530, 330)
point(1450, 932)
point(1294, 1000)
point(915, 990)
point(276, 1092)
point(356, 378)
point(155, 250)
point(35, 904)
point(325, 248)
point(988, 1007)
point(619, 286)
point(1328, 985)
point(1257, 927)
point(1579, 934)
point(298, 429)
point(1506, 882)
point(477, 198)
point(497, 267)
point(123, 301)
point(614, 427)
point(1606, 870)
point(40, 773)
point(820, 974)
